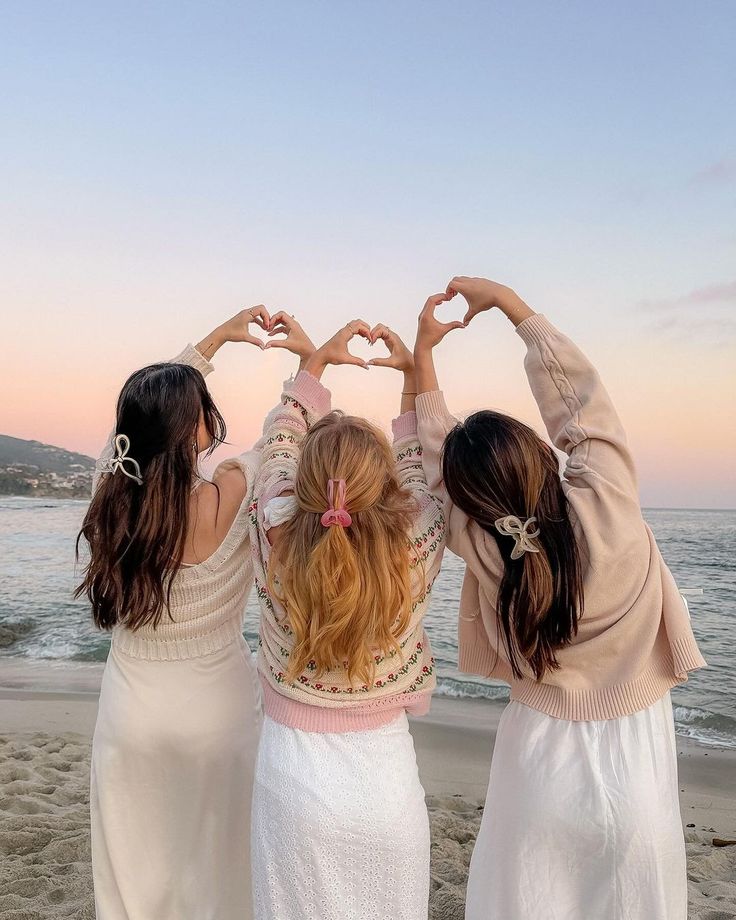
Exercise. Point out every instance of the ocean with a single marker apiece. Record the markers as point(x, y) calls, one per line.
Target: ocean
point(40, 620)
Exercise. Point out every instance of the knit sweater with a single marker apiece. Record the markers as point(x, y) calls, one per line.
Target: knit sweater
point(207, 599)
point(634, 639)
point(329, 703)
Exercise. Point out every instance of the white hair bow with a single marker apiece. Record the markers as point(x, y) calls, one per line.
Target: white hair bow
point(119, 459)
point(512, 526)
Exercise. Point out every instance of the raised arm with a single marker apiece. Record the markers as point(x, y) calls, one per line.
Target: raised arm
point(429, 528)
point(302, 404)
point(236, 329)
point(575, 407)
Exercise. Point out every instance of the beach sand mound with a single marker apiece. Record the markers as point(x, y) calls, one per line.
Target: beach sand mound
point(45, 867)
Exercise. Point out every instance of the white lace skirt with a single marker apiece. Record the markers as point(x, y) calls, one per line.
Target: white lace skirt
point(340, 829)
point(582, 821)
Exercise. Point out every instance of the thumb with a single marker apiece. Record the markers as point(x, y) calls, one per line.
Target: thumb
point(381, 362)
point(277, 343)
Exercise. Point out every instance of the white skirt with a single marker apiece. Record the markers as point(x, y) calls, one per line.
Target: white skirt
point(582, 821)
point(173, 759)
point(340, 827)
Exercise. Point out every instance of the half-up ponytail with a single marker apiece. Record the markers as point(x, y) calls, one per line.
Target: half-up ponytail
point(494, 466)
point(346, 590)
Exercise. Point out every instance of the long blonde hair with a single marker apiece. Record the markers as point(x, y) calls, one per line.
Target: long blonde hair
point(347, 592)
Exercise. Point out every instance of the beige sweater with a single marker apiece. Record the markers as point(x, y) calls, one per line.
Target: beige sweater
point(207, 599)
point(634, 640)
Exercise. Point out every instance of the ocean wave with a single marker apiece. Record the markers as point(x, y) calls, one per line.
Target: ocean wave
point(713, 729)
point(470, 689)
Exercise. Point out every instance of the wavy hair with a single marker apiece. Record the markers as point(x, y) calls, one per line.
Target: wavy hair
point(137, 533)
point(347, 592)
point(493, 466)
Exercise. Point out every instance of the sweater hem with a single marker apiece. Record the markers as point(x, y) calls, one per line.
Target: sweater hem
point(338, 719)
point(179, 648)
point(594, 705)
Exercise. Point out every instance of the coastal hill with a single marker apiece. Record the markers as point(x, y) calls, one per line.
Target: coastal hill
point(31, 468)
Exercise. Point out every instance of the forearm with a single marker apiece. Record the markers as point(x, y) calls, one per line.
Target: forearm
point(514, 308)
point(409, 392)
point(211, 343)
point(314, 364)
point(424, 369)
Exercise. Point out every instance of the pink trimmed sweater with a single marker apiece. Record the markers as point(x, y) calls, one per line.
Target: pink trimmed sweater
point(634, 640)
point(328, 703)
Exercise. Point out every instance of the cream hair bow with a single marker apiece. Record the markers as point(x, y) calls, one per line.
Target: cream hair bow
point(512, 526)
point(119, 459)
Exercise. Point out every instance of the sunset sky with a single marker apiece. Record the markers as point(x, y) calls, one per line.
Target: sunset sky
point(165, 164)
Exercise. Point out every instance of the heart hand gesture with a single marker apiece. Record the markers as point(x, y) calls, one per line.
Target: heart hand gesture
point(399, 356)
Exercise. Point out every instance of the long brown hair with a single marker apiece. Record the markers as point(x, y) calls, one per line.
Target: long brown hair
point(137, 533)
point(493, 466)
point(347, 592)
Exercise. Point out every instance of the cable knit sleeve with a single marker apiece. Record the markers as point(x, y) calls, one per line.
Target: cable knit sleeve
point(188, 355)
point(577, 411)
point(429, 526)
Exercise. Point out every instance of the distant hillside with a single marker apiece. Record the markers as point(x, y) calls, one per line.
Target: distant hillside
point(35, 469)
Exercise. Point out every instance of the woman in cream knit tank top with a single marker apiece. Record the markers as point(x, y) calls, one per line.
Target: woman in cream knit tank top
point(179, 715)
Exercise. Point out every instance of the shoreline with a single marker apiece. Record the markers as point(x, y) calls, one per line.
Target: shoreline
point(60, 698)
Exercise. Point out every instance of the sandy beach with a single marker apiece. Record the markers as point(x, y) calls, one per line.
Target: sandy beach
point(47, 715)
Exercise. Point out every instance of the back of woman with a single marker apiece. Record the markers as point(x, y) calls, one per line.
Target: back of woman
point(348, 541)
point(567, 598)
point(179, 714)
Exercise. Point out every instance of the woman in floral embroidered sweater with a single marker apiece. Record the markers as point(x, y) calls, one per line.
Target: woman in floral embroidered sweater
point(347, 541)
point(566, 597)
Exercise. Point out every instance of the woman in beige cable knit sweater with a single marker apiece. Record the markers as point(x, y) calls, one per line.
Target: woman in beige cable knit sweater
point(179, 717)
point(566, 597)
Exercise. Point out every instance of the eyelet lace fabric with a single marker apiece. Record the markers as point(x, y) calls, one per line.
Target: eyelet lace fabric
point(340, 828)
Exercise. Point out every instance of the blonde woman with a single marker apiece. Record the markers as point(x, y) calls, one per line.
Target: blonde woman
point(347, 542)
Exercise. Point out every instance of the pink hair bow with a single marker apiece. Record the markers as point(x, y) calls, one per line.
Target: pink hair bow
point(336, 515)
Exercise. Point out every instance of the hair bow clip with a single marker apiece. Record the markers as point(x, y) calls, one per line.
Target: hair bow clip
point(512, 526)
point(119, 460)
point(336, 515)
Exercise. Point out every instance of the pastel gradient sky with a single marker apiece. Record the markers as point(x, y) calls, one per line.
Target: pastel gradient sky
point(167, 163)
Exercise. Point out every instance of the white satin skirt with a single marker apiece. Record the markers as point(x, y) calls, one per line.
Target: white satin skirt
point(173, 759)
point(582, 821)
point(340, 826)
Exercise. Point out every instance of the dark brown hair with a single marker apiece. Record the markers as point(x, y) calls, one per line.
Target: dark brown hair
point(136, 533)
point(493, 466)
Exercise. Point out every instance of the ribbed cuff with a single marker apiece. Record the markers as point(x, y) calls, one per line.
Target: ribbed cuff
point(431, 405)
point(536, 329)
point(310, 393)
point(404, 426)
point(194, 359)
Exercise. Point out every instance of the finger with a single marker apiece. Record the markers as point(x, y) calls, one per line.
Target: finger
point(259, 314)
point(252, 340)
point(281, 318)
point(448, 327)
point(380, 332)
point(279, 329)
point(360, 327)
point(468, 316)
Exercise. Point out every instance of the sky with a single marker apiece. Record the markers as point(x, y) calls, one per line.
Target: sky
point(166, 164)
